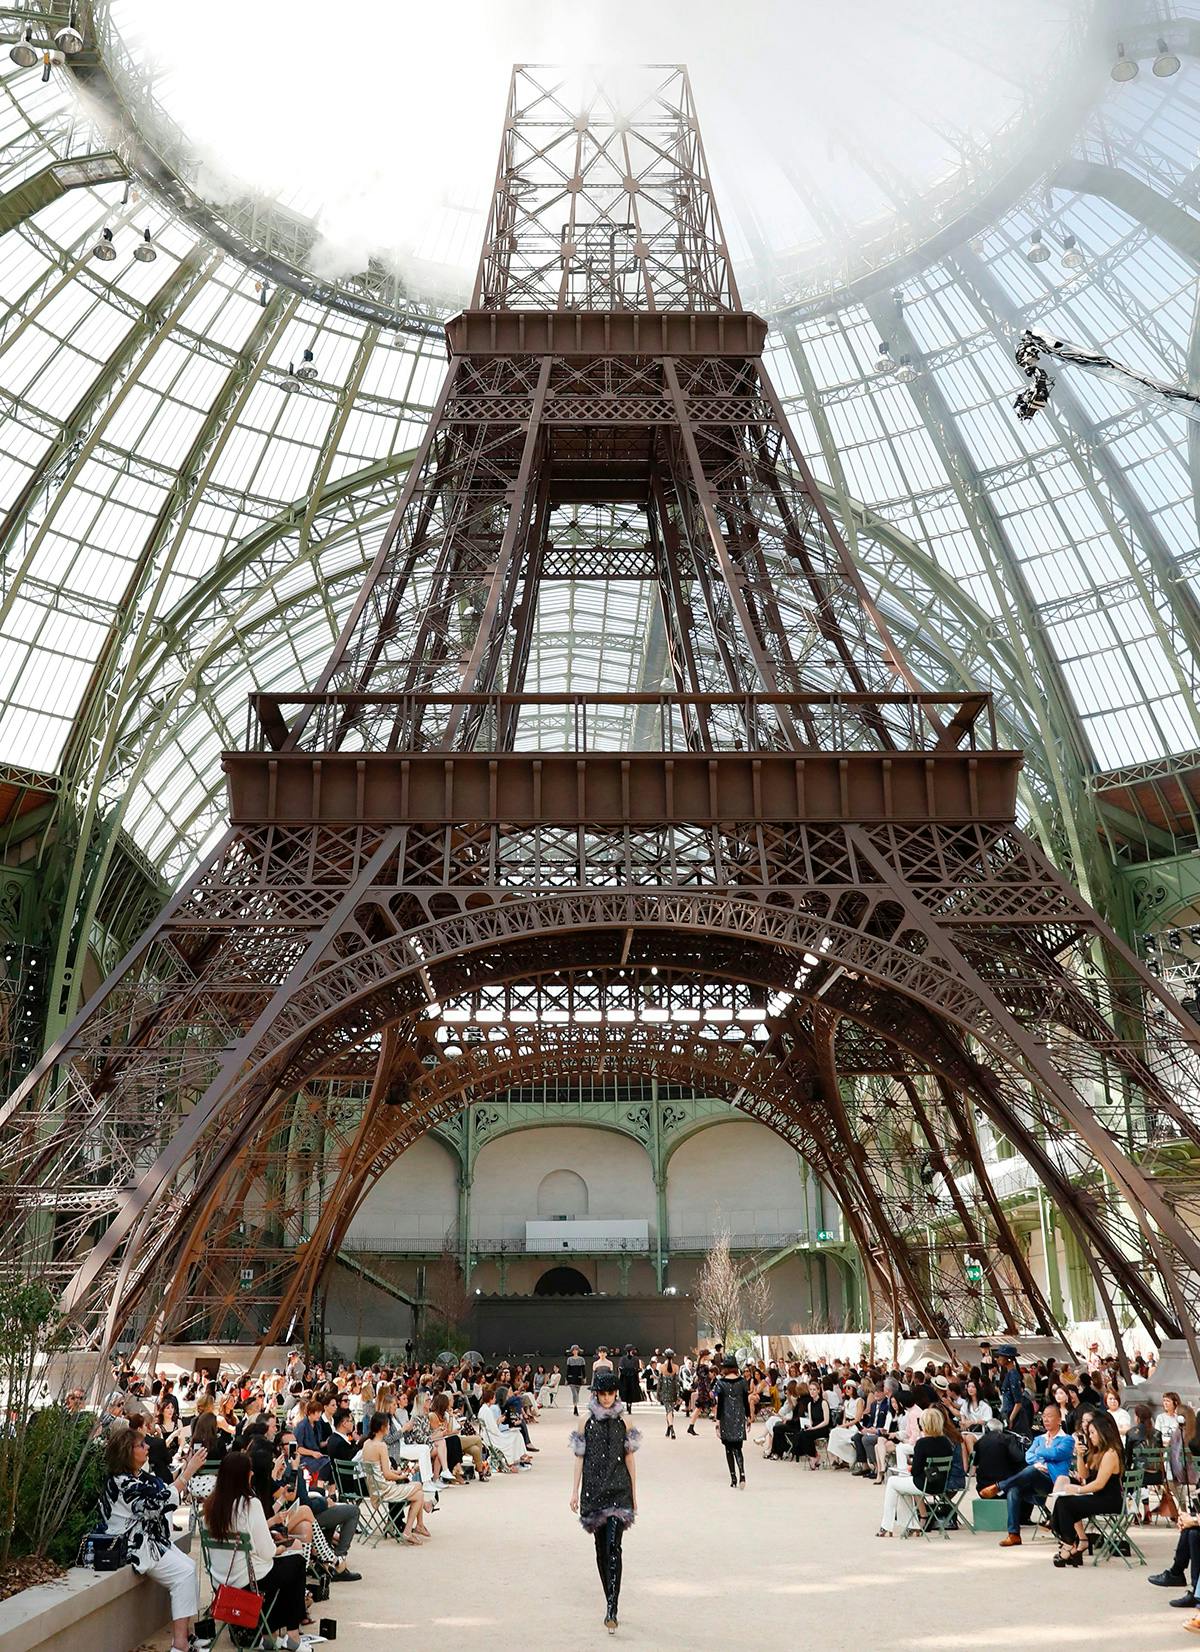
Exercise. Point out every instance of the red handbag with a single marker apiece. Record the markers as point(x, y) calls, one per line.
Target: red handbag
point(240, 1606)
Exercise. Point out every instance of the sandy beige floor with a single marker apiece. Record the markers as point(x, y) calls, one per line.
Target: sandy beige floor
point(791, 1561)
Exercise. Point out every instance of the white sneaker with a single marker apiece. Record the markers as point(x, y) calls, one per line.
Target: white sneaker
point(447, 1478)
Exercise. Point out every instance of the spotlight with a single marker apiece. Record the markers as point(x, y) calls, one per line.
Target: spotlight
point(1072, 258)
point(24, 53)
point(1124, 68)
point(905, 372)
point(1166, 63)
point(104, 249)
point(145, 252)
point(69, 40)
point(1037, 251)
point(307, 369)
point(290, 381)
point(883, 362)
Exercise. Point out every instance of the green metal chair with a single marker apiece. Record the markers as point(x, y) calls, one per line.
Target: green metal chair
point(374, 1520)
point(218, 1556)
point(941, 1513)
point(1111, 1531)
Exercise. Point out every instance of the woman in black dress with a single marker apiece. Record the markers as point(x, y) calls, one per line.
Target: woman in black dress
point(732, 1398)
point(701, 1395)
point(604, 1494)
point(811, 1421)
point(669, 1389)
point(1100, 1492)
point(629, 1371)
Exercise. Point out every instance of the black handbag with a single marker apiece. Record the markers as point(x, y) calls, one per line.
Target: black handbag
point(110, 1551)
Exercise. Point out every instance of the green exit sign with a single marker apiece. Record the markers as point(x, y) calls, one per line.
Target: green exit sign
point(974, 1272)
point(824, 1236)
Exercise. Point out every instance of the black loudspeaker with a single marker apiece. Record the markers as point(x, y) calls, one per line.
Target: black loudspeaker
point(328, 1628)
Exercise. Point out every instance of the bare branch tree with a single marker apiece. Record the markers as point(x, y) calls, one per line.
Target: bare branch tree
point(718, 1290)
point(446, 1290)
point(756, 1296)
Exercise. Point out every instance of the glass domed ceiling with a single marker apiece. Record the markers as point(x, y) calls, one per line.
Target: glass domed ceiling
point(182, 522)
point(838, 136)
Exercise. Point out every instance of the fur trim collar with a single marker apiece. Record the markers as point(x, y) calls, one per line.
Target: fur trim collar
point(599, 1412)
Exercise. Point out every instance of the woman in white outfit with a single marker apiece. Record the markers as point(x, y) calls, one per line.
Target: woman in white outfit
point(137, 1505)
point(841, 1438)
point(931, 1445)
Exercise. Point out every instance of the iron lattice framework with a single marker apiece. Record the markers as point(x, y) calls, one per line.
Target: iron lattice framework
point(787, 839)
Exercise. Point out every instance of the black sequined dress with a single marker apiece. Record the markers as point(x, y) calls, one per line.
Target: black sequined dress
point(606, 1490)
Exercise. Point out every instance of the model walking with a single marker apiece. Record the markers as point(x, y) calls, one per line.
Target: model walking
point(668, 1389)
point(732, 1398)
point(576, 1375)
point(701, 1396)
point(604, 1494)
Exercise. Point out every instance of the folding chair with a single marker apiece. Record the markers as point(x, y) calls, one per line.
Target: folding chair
point(198, 1488)
point(1150, 1458)
point(353, 1486)
point(1111, 1531)
point(940, 1510)
point(218, 1556)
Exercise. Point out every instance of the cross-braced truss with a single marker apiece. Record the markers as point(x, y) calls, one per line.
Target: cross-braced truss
point(801, 888)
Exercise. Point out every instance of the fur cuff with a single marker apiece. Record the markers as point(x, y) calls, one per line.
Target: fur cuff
point(577, 1443)
point(633, 1439)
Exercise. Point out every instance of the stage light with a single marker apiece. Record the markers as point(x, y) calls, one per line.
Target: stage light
point(1166, 63)
point(145, 252)
point(23, 53)
point(1124, 68)
point(883, 362)
point(1072, 258)
point(307, 368)
point(1037, 251)
point(104, 249)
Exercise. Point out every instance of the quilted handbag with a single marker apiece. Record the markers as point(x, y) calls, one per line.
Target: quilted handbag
point(239, 1606)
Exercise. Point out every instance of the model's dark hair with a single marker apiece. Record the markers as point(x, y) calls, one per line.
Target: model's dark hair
point(379, 1421)
point(234, 1486)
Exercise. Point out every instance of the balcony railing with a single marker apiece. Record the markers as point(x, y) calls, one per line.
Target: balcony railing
point(391, 1245)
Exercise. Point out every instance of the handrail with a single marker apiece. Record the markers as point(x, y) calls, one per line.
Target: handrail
point(847, 720)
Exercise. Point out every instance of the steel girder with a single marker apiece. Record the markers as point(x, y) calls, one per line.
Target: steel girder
point(803, 831)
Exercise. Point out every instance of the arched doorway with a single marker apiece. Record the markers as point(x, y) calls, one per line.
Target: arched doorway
point(562, 1193)
point(562, 1282)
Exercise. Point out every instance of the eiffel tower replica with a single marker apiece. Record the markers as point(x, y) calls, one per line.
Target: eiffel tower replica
point(781, 872)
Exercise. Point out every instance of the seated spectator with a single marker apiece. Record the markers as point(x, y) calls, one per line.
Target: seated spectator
point(1118, 1413)
point(931, 1447)
point(1184, 1570)
point(506, 1445)
point(880, 1422)
point(1100, 1490)
point(231, 1510)
point(388, 1486)
point(312, 1459)
point(1048, 1456)
point(810, 1422)
point(841, 1438)
point(449, 1442)
point(512, 1411)
point(136, 1504)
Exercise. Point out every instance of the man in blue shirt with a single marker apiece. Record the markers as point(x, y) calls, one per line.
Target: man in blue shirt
point(1049, 1456)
